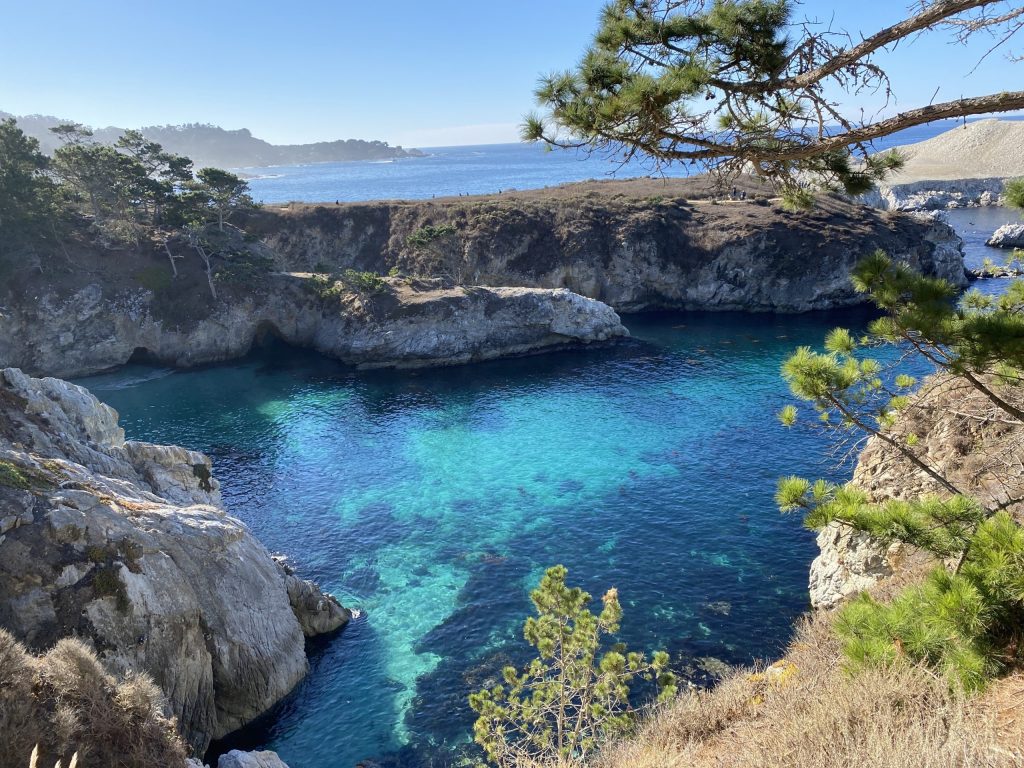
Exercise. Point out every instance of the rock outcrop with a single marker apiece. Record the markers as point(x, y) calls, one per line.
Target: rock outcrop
point(964, 167)
point(1007, 236)
point(980, 456)
point(936, 195)
point(635, 254)
point(577, 253)
point(125, 544)
point(264, 759)
point(404, 325)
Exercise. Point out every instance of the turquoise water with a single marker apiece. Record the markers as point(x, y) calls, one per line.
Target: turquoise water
point(432, 502)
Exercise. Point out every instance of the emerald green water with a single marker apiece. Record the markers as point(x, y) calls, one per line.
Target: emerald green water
point(432, 502)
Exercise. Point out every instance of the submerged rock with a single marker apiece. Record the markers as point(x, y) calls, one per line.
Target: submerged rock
point(1007, 236)
point(125, 544)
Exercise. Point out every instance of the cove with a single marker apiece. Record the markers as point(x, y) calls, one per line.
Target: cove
point(432, 501)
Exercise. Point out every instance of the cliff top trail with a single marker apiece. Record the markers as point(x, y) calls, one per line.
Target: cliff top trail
point(979, 150)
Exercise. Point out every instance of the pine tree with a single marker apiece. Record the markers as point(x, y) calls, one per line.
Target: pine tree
point(570, 698)
point(966, 617)
point(741, 86)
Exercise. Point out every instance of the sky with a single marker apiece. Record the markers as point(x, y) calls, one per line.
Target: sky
point(409, 72)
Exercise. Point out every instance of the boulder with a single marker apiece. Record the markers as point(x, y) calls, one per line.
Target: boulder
point(1007, 236)
point(238, 759)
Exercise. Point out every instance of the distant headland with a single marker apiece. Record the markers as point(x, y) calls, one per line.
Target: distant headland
point(211, 145)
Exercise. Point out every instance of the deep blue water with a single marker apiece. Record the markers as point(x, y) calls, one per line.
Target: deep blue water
point(473, 170)
point(432, 502)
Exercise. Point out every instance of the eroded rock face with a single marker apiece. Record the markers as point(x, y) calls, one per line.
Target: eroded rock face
point(542, 270)
point(980, 457)
point(404, 326)
point(632, 254)
point(1007, 236)
point(937, 195)
point(125, 544)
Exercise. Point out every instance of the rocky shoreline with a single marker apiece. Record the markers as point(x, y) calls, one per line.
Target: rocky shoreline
point(945, 416)
point(402, 326)
point(937, 195)
point(519, 275)
point(604, 241)
point(126, 544)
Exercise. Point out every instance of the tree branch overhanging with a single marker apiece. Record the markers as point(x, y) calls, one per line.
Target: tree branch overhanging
point(735, 86)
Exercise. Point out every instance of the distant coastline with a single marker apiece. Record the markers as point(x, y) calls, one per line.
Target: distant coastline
point(211, 145)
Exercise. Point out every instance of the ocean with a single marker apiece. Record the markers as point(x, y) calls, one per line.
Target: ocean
point(473, 170)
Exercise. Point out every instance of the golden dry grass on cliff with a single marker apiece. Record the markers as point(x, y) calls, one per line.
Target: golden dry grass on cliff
point(65, 702)
point(807, 712)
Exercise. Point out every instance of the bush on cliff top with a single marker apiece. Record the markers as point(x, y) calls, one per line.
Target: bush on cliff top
point(65, 702)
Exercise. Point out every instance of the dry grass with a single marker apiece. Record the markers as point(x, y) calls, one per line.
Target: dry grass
point(65, 702)
point(806, 711)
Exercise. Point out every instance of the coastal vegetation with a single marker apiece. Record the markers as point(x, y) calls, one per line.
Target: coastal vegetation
point(572, 697)
point(64, 702)
point(894, 677)
point(965, 617)
point(211, 145)
point(125, 195)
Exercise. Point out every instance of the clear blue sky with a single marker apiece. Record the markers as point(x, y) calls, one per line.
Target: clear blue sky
point(410, 72)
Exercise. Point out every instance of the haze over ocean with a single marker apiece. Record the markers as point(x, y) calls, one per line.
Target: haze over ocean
point(474, 170)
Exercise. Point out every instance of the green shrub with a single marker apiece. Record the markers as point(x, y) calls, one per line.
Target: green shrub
point(363, 282)
point(154, 278)
point(428, 234)
point(107, 583)
point(243, 266)
point(351, 280)
point(1014, 192)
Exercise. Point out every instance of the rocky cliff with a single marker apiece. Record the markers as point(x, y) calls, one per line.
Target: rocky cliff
point(636, 245)
point(71, 330)
point(936, 195)
point(125, 544)
point(566, 252)
point(981, 456)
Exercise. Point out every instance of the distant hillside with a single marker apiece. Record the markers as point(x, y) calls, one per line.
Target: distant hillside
point(211, 145)
point(980, 149)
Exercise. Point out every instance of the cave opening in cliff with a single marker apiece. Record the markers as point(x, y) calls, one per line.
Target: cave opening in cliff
point(267, 336)
point(143, 356)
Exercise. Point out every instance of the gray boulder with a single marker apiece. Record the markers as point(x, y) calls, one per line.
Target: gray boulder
point(238, 759)
point(1007, 236)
